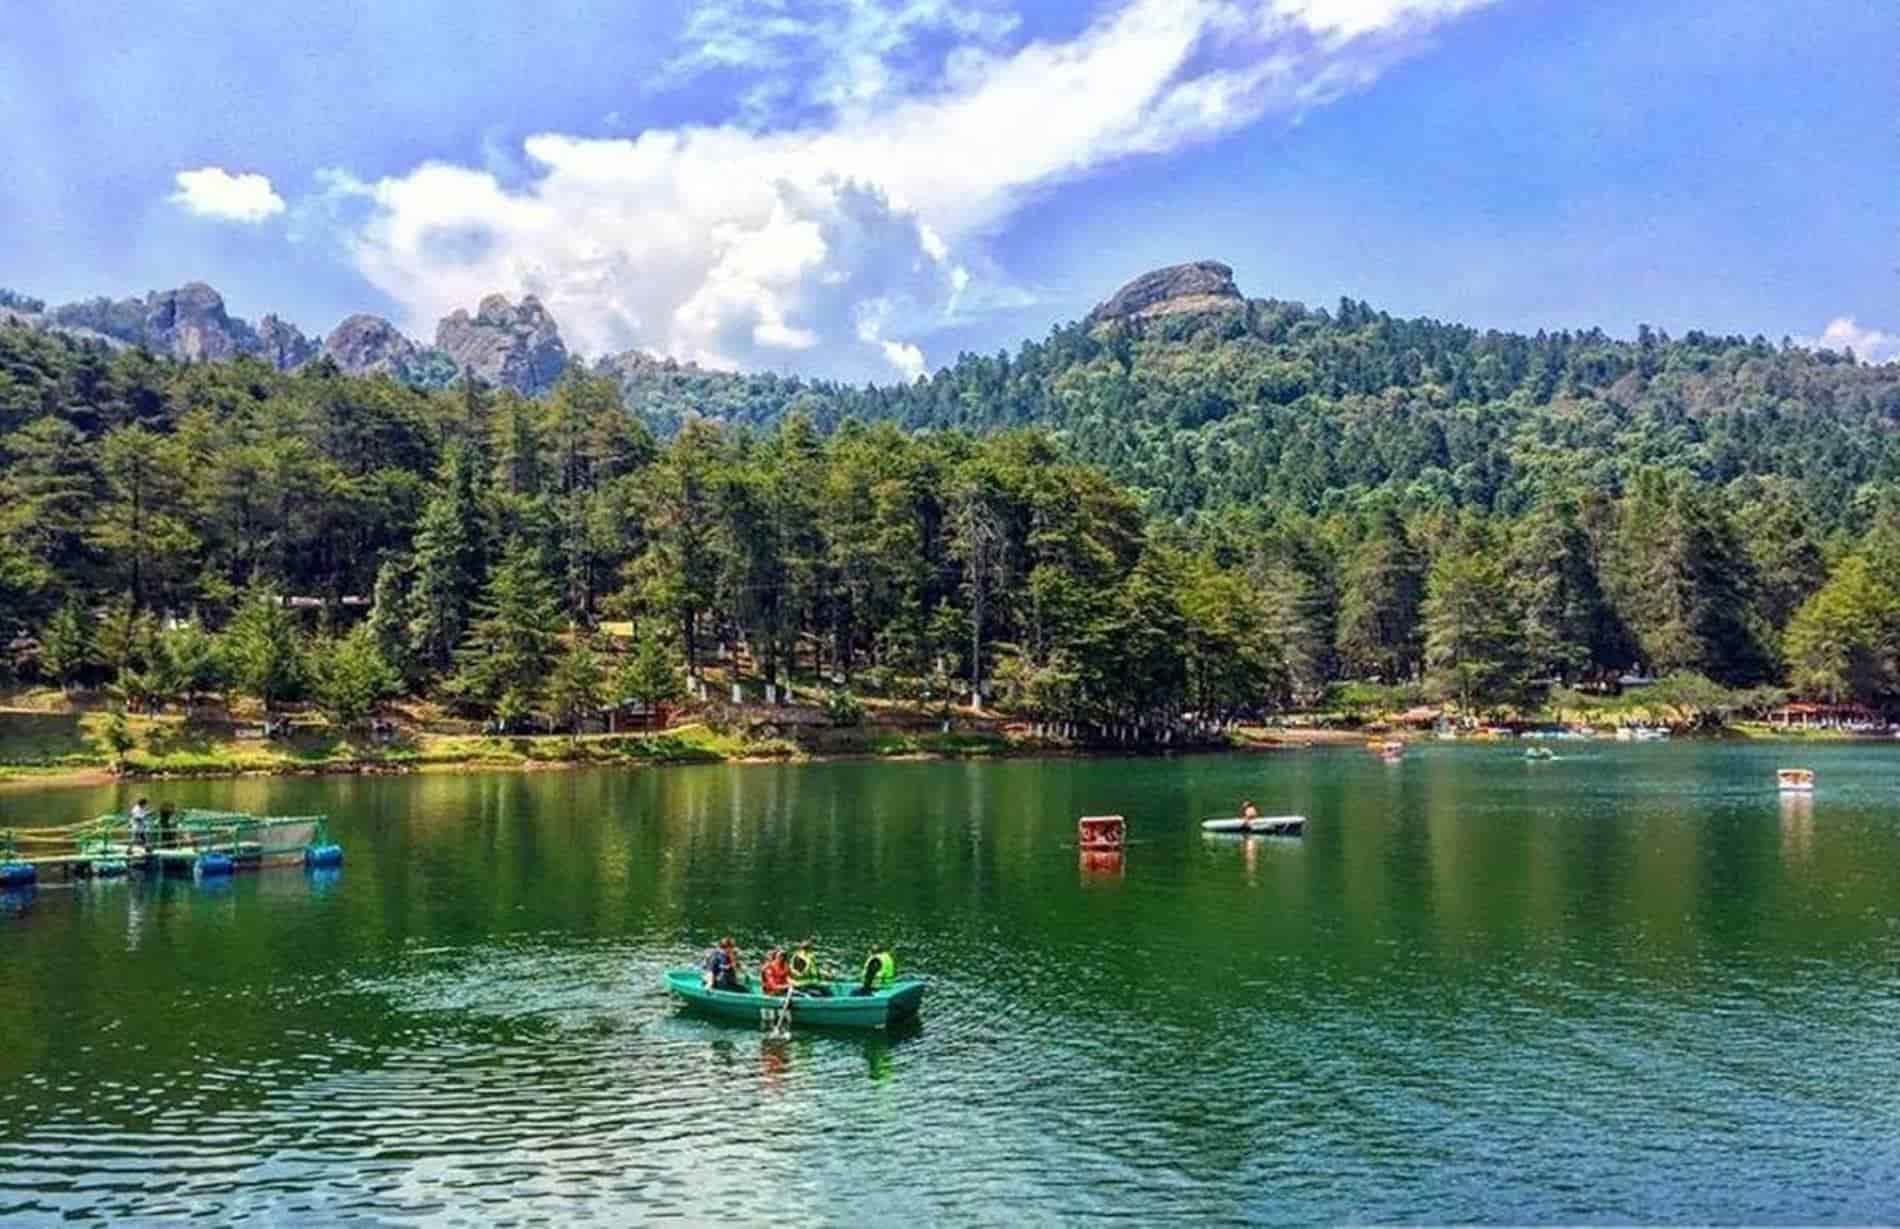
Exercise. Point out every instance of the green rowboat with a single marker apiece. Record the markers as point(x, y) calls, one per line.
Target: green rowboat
point(840, 1009)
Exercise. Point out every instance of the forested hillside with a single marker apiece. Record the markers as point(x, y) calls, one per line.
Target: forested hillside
point(1190, 503)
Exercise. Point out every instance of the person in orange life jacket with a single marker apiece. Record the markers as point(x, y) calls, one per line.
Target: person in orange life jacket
point(775, 975)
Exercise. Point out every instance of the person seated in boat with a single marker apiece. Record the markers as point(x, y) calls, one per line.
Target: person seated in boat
point(722, 966)
point(880, 970)
point(775, 975)
point(807, 978)
point(1248, 811)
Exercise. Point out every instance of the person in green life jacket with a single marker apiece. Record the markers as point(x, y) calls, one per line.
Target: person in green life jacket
point(880, 970)
point(806, 975)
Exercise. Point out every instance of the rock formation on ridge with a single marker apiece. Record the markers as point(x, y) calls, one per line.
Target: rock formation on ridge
point(504, 344)
point(1204, 285)
point(370, 345)
point(282, 344)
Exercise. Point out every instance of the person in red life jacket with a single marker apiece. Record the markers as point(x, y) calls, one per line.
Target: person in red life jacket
point(775, 975)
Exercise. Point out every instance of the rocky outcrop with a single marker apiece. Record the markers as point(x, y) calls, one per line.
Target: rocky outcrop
point(26, 317)
point(187, 323)
point(191, 323)
point(370, 345)
point(1205, 285)
point(282, 344)
point(505, 344)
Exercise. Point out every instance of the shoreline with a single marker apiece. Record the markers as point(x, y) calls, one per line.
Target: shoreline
point(15, 778)
point(698, 745)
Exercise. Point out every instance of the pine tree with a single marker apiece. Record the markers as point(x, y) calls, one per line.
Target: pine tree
point(678, 574)
point(66, 649)
point(390, 617)
point(977, 542)
point(449, 563)
point(1379, 602)
point(1844, 642)
point(650, 675)
point(190, 664)
point(1470, 632)
point(1685, 581)
point(137, 524)
point(577, 688)
point(1566, 625)
point(1297, 619)
point(261, 649)
point(511, 644)
point(349, 676)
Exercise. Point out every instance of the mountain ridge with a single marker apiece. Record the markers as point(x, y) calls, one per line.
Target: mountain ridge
point(519, 344)
point(1187, 390)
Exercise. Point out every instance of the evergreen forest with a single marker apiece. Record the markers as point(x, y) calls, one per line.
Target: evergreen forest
point(1131, 525)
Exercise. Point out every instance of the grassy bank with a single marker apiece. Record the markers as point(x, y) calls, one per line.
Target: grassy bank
point(51, 747)
point(56, 747)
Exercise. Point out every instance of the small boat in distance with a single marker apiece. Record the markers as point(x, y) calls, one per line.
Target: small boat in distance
point(1795, 780)
point(1259, 825)
point(1387, 748)
point(841, 1008)
point(1101, 833)
point(1536, 754)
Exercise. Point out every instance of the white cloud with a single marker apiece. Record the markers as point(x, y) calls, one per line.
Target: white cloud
point(1349, 19)
point(849, 51)
point(852, 226)
point(213, 192)
point(1869, 345)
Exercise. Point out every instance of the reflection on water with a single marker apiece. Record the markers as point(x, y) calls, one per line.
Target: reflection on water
point(1797, 825)
point(1634, 984)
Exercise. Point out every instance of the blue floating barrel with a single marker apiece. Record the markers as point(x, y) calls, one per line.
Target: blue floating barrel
point(210, 864)
point(315, 856)
point(18, 874)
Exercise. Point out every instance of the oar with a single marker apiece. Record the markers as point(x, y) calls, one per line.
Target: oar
point(779, 1028)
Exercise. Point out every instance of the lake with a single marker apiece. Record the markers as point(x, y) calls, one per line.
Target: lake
point(1632, 984)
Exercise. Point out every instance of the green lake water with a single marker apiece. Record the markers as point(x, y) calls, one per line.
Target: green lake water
point(1633, 984)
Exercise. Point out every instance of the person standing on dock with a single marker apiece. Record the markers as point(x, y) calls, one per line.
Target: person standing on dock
point(167, 826)
point(142, 824)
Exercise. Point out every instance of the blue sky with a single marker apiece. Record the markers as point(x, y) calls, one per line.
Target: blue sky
point(862, 190)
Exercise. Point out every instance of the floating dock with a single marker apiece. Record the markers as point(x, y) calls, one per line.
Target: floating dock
point(197, 844)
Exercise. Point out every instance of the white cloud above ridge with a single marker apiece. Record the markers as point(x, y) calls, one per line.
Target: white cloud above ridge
point(1869, 345)
point(844, 235)
point(213, 192)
